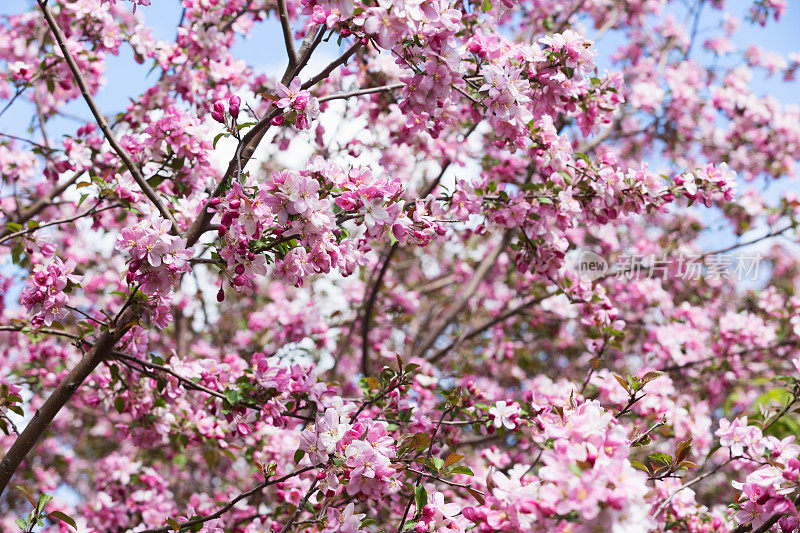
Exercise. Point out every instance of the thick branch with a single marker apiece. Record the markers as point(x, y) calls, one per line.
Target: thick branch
point(60, 396)
point(250, 141)
point(368, 309)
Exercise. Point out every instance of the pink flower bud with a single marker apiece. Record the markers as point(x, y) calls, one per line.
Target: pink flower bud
point(475, 47)
point(48, 249)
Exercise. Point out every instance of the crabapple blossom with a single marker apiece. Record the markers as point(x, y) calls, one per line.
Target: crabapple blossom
point(44, 297)
point(420, 267)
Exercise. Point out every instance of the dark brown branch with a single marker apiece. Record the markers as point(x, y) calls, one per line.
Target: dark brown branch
point(368, 309)
point(61, 395)
point(250, 141)
point(231, 504)
point(39, 206)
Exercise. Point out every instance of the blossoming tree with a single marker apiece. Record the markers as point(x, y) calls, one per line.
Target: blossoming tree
point(367, 318)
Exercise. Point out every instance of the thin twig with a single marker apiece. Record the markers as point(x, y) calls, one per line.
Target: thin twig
point(92, 211)
point(231, 504)
point(100, 119)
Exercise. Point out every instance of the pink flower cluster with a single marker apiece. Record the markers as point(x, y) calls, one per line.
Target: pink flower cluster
point(158, 258)
point(281, 381)
point(299, 107)
point(44, 296)
point(357, 455)
point(343, 521)
point(585, 473)
point(767, 490)
point(302, 206)
point(709, 184)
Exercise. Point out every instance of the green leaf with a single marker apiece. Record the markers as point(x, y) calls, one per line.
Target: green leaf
point(661, 458)
point(435, 464)
point(16, 253)
point(27, 494)
point(486, 5)
point(420, 498)
point(44, 499)
point(461, 469)
point(119, 404)
point(298, 456)
point(650, 376)
point(21, 523)
point(233, 396)
point(218, 137)
point(64, 518)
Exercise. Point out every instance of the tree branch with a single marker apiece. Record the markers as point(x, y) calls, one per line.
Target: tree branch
point(231, 504)
point(60, 396)
point(91, 211)
point(101, 120)
point(287, 33)
point(480, 273)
